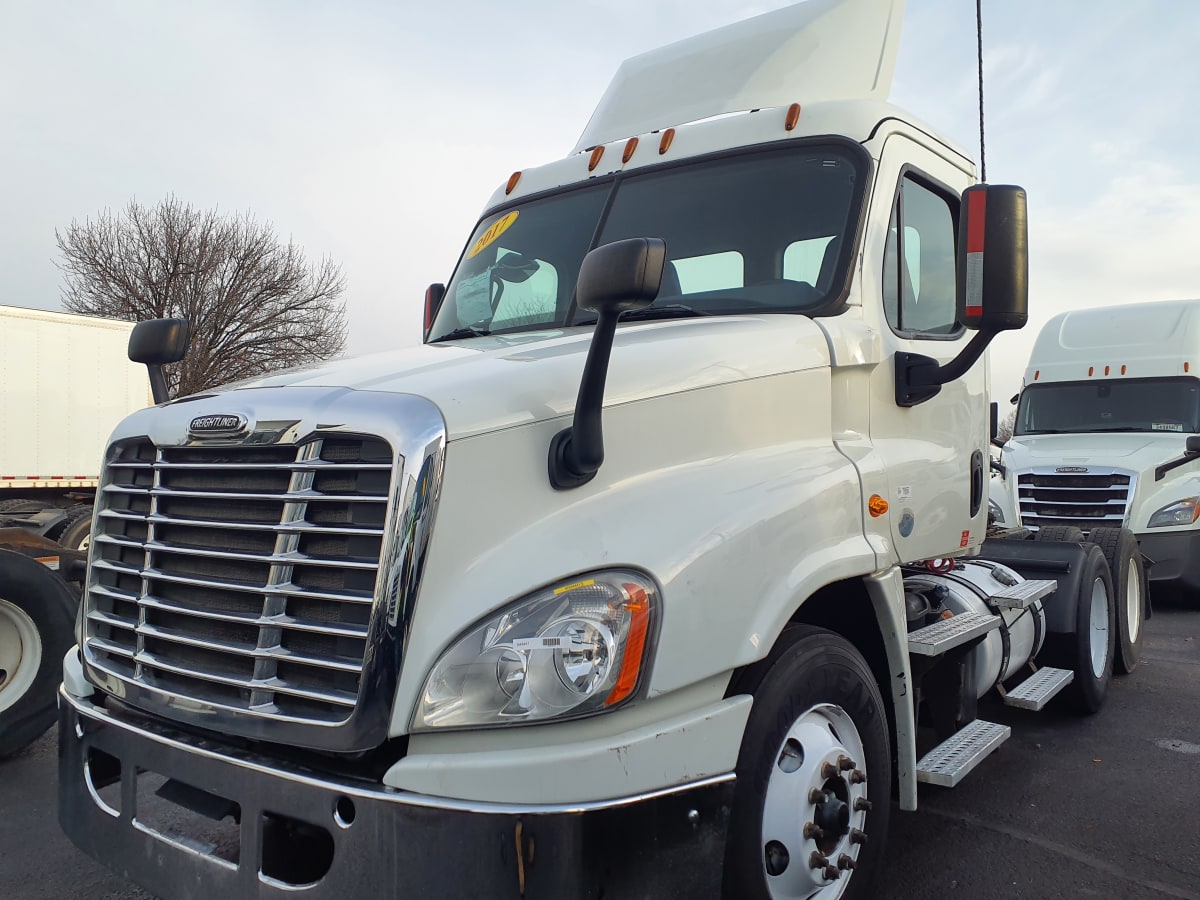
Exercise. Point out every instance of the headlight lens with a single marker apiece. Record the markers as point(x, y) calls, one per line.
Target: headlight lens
point(1181, 512)
point(571, 649)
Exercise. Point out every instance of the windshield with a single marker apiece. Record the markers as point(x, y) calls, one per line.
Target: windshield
point(764, 231)
point(1136, 404)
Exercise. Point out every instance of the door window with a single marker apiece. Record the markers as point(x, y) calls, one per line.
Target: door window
point(918, 267)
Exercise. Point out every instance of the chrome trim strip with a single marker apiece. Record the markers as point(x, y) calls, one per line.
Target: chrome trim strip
point(299, 465)
point(279, 528)
point(275, 559)
point(355, 789)
point(271, 685)
point(416, 431)
point(280, 653)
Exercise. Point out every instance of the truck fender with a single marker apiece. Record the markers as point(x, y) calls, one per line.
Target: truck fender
point(1060, 561)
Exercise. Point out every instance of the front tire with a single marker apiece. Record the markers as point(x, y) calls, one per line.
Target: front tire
point(814, 774)
point(1120, 549)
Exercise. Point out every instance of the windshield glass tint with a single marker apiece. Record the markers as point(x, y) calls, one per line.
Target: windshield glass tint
point(1136, 404)
point(765, 231)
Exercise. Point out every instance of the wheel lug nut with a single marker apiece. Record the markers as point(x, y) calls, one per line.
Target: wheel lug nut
point(862, 804)
point(832, 873)
point(828, 770)
point(816, 796)
point(857, 837)
point(817, 860)
point(857, 777)
point(813, 832)
point(845, 763)
point(845, 861)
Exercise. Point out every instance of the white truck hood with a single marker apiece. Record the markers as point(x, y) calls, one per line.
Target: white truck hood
point(486, 384)
point(1137, 451)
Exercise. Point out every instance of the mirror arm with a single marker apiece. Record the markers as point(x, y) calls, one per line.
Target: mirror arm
point(577, 452)
point(158, 383)
point(1166, 467)
point(920, 378)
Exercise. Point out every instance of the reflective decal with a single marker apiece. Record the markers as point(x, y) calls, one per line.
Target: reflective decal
point(494, 231)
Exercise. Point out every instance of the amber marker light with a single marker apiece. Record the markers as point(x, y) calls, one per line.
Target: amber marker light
point(1091, 371)
point(512, 182)
point(793, 116)
point(638, 607)
point(877, 506)
point(664, 142)
point(597, 152)
point(1106, 370)
point(1122, 370)
point(630, 149)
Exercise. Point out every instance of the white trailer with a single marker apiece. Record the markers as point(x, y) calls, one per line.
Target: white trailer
point(642, 577)
point(65, 382)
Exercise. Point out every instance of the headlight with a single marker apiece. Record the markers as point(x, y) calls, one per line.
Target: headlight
point(571, 649)
point(995, 513)
point(1181, 512)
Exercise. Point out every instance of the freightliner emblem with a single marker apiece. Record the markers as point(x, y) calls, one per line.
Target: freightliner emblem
point(1071, 470)
point(218, 425)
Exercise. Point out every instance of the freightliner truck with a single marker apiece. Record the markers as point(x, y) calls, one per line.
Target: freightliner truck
point(658, 570)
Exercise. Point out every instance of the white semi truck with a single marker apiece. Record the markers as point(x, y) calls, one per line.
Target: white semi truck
point(65, 382)
point(638, 578)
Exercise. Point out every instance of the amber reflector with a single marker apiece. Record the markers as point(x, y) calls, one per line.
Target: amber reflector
point(630, 149)
point(664, 143)
point(512, 182)
point(597, 152)
point(793, 116)
point(877, 506)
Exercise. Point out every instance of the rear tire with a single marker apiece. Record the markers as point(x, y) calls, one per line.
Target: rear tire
point(1090, 650)
point(1120, 549)
point(77, 533)
point(817, 725)
point(1068, 533)
point(37, 627)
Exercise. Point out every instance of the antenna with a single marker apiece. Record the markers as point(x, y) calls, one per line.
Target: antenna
point(979, 44)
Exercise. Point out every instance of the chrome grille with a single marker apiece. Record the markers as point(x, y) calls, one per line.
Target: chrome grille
point(241, 576)
point(1086, 500)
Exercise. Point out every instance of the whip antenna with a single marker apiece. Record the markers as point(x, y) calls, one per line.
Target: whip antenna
point(979, 44)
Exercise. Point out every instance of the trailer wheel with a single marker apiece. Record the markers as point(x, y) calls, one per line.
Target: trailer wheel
point(37, 624)
point(1068, 533)
point(1090, 650)
point(1120, 549)
point(810, 814)
point(77, 533)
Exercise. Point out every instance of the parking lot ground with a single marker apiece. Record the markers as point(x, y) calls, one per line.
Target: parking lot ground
point(1105, 806)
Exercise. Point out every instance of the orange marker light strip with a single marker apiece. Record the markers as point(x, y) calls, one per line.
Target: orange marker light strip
point(664, 143)
point(877, 506)
point(638, 606)
point(793, 116)
point(630, 149)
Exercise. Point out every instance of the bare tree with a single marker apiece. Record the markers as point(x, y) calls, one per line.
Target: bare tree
point(254, 303)
point(1005, 429)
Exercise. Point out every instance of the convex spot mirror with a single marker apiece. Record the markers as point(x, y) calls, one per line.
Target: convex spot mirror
point(993, 258)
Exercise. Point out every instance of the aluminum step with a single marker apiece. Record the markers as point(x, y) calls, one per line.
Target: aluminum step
point(950, 761)
point(936, 639)
point(1023, 594)
point(1036, 690)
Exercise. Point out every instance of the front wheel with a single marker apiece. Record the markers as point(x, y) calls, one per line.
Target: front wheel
point(814, 775)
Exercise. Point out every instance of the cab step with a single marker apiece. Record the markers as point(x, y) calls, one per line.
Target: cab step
point(936, 639)
point(953, 759)
point(1036, 690)
point(1023, 594)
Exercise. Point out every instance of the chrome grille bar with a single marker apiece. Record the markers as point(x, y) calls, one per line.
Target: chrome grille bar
point(1088, 499)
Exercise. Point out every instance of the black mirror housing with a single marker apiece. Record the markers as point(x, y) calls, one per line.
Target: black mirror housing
point(1192, 447)
point(993, 258)
point(621, 276)
point(434, 294)
point(157, 342)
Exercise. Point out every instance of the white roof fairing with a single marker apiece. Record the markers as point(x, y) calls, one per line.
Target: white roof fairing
point(810, 52)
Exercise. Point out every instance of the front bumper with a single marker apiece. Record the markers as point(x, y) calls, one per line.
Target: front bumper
point(302, 834)
point(1174, 558)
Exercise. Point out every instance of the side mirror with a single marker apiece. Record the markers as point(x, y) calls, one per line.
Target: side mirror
point(613, 279)
point(434, 294)
point(993, 258)
point(157, 342)
point(1192, 448)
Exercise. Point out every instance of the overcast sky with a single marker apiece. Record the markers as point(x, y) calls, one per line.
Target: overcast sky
point(373, 132)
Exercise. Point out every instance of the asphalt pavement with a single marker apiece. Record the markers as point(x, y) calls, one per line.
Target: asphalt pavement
point(1105, 806)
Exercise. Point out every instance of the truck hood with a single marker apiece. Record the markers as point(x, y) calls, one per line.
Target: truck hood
point(1135, 451)
point(489, 383)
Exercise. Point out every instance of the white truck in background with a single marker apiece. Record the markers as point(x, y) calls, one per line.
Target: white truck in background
point(656, 572)
point(65, 381)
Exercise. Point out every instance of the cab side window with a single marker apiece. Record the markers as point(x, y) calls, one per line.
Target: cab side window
point(918, 266)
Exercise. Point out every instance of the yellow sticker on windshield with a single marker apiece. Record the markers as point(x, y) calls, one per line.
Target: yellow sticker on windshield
point(494, 231)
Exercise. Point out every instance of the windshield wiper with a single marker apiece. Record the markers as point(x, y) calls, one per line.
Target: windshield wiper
point(666, 311)
point(458, 333)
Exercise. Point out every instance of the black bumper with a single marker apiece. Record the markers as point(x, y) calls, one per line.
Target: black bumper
point(293, 839)
point(1174, 558)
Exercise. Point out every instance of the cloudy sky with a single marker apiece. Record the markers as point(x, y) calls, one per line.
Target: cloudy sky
point(374, 131)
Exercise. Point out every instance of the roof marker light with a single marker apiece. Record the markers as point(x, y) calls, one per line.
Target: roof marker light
point(1036, 374)
point(630, 149)
point(664, 143)
point(512, 182)
point(1122, 370)
point(597, 152)
point(1106, 370)
point(1091, 371)
point(793, 116)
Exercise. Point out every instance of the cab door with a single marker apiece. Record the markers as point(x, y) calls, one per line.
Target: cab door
point(934, 453)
